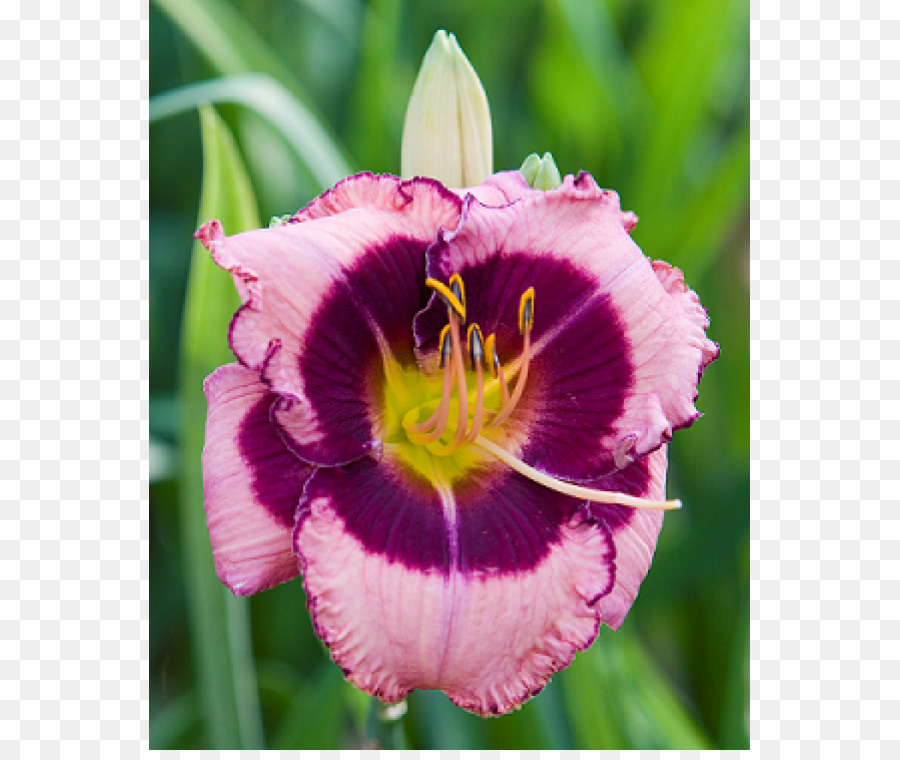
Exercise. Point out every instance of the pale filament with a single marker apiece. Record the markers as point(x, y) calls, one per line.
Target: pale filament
point(430, 430)
point(461, 391)
point(438, 421)
point(479, 402)
point(504, 390)
point(570, 489)
point(509, 404)
point(497, 371)
point(454, 375)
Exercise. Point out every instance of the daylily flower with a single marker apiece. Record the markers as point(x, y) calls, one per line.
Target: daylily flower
point(450, 417)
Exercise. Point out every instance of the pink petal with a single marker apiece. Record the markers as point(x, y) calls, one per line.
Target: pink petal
point(461, 618)
point(357, 253)
point(251, 484)
point(695, 316)
point(634, 531)
point(501, 189)
point(617, 352)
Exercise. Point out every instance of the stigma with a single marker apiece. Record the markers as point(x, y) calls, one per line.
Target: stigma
point(476, 399)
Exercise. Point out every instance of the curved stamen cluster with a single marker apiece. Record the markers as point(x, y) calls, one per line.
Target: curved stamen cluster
point(482, 353)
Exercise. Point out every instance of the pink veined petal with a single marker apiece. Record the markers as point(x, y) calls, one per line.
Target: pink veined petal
point(634, 531)
point(619, 349)
point(489, 638)
point(363, 243)
point(695, 316)
point(251, 484)
point(501, 189)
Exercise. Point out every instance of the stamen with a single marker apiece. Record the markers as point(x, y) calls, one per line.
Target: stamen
point(454, 372)
point(458, 289)
point(455, 366)
point(454, 302)
point(483, 353)
point(446, 345)
point(462, 392)
point(475, 344)
point(504, 388)
point(439, 417)
point(490, 350)
point(476, 352)
point(493, 362)
point(570, 489)
point(526, 311)
point(526, 322)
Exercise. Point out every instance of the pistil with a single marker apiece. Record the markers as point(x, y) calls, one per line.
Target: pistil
point(570, 489)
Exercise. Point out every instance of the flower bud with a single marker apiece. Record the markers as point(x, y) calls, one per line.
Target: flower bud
point(447, 131)
point(541, 173)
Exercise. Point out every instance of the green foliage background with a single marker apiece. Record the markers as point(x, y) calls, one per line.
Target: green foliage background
point(653, 99)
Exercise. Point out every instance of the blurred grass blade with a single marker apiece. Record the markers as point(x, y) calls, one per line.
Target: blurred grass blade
point(521, 729)
point(173, 721)
point(315, 717)
point(219, 623)
point(227, 41)
point(340, 15)
point(682, 81)
point(618, 699)
point(304, 133)
point(439, 724)
point(592, 704)
point(708, 215)
point(601, 48)
point(231, 45)
point(713, 213)
point(736, 718)
point(379, 98)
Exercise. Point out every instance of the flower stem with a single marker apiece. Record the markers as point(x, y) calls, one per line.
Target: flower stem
point(384, 725)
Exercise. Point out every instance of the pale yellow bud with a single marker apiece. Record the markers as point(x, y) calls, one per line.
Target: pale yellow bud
point(447, 131)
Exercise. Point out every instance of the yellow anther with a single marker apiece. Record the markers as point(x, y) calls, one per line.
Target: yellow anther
point(448, 296)
point(475, 344)
point(526, 311)
point(490, 350)
point(446, 344)
point(458, 289)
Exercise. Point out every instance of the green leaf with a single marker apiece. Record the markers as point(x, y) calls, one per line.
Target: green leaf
point(315, 717)
point(735, 728)
point(308, 139)
point(592, 703)
point(618, 699)
point(707, 216)
point(379, 99)
point(228, 43)
point(173, 721)
point(219, 622)
point(684, 83)
point(439, 724)
point(598, 44)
